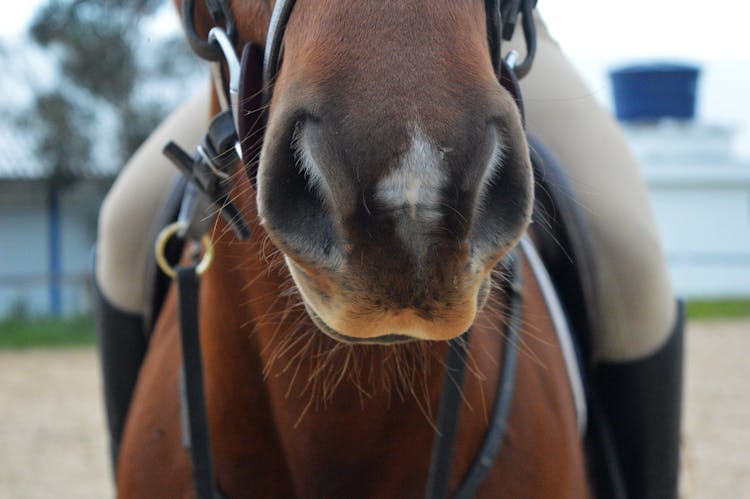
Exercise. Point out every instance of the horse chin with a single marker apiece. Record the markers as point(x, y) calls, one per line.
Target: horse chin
point(387, 339)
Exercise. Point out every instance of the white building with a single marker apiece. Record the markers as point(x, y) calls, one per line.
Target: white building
point(700, 194)
point(46, 236)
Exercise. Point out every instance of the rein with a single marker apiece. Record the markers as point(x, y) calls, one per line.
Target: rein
point(208, 172)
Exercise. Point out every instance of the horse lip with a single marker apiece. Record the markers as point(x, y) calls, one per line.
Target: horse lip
point(387, 339)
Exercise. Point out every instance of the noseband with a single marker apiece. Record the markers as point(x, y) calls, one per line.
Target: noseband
point(208, 171)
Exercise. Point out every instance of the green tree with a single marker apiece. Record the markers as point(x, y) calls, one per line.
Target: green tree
point(105, 65)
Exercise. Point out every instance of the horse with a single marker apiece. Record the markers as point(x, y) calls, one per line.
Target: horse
point(381, 225)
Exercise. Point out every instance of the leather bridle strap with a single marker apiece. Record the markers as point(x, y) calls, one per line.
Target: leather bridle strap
point(251, 110)
point(438, 478)
point(492, 11)
point(449, 412)
point(195, 429)
point(499, 422)
point(272, 57)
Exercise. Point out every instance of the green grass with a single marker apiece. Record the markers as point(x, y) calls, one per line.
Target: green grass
point(720, 309)
point(18, 333)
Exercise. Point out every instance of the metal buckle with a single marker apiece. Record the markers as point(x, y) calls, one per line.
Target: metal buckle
point(220, 13)
point(511, 59)
point(219, 36)
point(161, 243)
point(208, 172)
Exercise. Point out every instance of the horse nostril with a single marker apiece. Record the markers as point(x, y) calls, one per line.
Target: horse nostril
point(304, 161)
point(293, 202)
point(505, 196)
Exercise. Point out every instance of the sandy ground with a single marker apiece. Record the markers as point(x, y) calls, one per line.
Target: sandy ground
point(52, 441)
point(52, 430)
point(716, 434)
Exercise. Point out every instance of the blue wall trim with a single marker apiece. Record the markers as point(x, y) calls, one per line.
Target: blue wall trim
point(55, 246)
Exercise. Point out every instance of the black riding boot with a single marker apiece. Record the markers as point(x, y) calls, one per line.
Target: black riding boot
point(122, 346)
point(642, 402)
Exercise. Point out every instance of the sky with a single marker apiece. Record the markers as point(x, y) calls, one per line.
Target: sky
point(601, 34)
point(601, 28)
point(684, 29)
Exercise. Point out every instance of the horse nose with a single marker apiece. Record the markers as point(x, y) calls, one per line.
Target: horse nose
point(323, 187)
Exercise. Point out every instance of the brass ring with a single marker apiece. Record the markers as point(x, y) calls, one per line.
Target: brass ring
point(161, 243)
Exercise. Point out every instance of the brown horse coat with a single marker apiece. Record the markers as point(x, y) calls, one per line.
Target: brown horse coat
point(362, 426)
point(293, 413)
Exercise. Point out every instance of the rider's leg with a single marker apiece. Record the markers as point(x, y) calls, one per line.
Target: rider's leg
point(639, 303)
point(135, 198)
point(125, 218)
point(635, 342)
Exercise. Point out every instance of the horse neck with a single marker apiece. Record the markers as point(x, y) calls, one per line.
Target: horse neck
point(259, 343)
point(358, 421)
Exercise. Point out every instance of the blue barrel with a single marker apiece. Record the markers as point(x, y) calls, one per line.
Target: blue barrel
point(651, 92)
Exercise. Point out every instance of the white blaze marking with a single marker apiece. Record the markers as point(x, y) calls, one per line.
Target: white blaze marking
point(415, 187)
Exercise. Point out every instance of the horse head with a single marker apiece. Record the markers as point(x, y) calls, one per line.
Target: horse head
point(393, 176)
point(394, 171)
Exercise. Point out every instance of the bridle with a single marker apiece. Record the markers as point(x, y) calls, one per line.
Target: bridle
point(497, 30)
point(208, 171)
